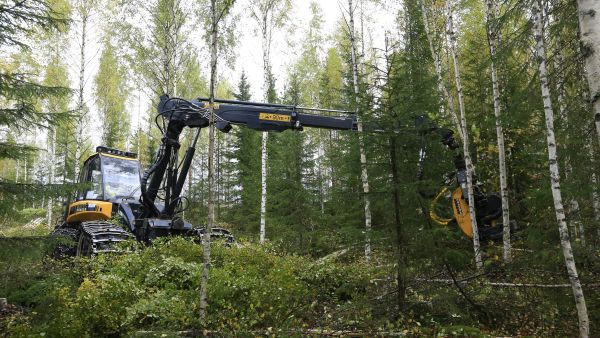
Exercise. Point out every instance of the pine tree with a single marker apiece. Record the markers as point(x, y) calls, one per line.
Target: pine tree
point(246, 152)
point(20, 91)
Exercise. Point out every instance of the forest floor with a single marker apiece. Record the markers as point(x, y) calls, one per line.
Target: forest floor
point(253, 291)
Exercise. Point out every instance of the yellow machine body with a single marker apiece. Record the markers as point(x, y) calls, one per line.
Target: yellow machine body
point(461, 212)
point(89, 210)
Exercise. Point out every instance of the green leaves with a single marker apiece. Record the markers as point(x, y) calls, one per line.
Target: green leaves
point(111, 94)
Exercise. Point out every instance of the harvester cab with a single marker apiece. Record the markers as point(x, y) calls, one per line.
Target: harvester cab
point(107, 178)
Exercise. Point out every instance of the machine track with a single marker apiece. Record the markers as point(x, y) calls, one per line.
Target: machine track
point(68, 242)
point(100, 236)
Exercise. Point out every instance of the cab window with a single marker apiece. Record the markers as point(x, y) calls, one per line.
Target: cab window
point(94, 176)
point(121, 178)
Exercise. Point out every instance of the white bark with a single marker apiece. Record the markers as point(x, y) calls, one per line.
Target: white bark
point(263, 187)
point(448, 99)
point(321, 173)
point(565, 242)
point(268, 15)
point(595, 201)
point(363, 156)
point(594, 179)
point(463, 122)
point(211, 162)
point(589, 25)
point(84, 13)
point(492, 39)
point(51, 165)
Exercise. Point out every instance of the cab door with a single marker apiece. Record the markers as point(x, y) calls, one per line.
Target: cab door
point(89, 204)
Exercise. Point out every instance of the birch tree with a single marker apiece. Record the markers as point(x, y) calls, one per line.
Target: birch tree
point(589, 25)
point(51, 165)
point(84, 10)
point(111, 94)
point(449, 104)
point(463, 123)
point(268, 15)
point(160, 56)
point(492, 32)
point(540, 54)
point(217, 10)
point(363, 156)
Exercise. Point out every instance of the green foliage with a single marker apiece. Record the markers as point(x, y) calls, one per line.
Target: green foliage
point(111, 94)
point(20, 92)
point(245, 151)
point(251, 288)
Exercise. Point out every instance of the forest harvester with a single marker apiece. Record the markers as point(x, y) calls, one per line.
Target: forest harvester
point(119, 202)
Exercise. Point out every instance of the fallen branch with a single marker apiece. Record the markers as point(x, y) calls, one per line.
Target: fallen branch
point(504, 284)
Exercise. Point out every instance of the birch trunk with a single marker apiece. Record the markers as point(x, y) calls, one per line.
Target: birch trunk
point(363, 156)
point(84, 13)
point(463, 123)
point(50, 175)
point(596, 202)
point(266, 14)
point(589, 25)
point(443, 91)
point(265, 135)
point(263, 187)
point(565, 242)
point(211, 162)
point(492, 39)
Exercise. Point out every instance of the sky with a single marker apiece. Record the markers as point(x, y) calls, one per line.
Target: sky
point(248, 52)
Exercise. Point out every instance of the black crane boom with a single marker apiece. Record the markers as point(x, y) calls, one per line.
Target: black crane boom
point(167, 172)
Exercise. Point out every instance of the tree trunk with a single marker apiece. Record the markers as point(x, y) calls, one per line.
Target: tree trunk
point(463, 122)
point(363, 156)
point(589, 25)
point(263, 186)
point(266, 49)
point(565, 242)
point(320, 173)
point(401, 247)
point(443, 91)
point(80, 110)
point(492, 33)
point(211, 162)
point(50, 174)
